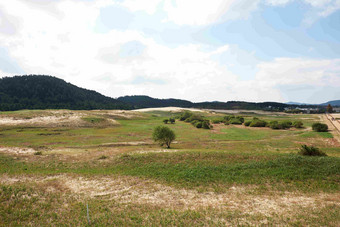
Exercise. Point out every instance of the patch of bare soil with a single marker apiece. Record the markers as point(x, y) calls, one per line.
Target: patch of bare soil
point(132, 190)
point(170, 109)
point(156, 151)
point(332, 128)
point(17, 150)
point(64, 120)
point(117, 114)
point(131, 143)
point(47, 121)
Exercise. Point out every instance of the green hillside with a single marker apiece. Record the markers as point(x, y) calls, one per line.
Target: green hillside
point(47, 92)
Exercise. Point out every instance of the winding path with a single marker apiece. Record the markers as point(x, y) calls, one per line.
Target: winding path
point(333, 124)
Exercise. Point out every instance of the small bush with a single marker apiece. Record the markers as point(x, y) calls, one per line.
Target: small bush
point(311, 151)
point(185, 115)
point(247, 123)
point(319, 127)
point(297, 124)
point(217, 121)
point(194, 122)
point(165, 121)
point(206, 125)
point(102, 157)
point(195, 117)
point(172, 120)
point(38, 153)
point(258, 123)
point(240, 119)
point(286, 124)
point(275, 125)
point(198, 124)
point(235, 121)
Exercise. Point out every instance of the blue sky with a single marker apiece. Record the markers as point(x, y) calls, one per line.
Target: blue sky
point(250, 50)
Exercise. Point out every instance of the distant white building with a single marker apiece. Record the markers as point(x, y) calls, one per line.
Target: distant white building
point(336, 109)
point(308, 110)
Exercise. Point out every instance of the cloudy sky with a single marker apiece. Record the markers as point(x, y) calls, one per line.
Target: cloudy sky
point(200, 50)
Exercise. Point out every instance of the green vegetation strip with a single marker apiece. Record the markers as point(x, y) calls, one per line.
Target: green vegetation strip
point(191, 169)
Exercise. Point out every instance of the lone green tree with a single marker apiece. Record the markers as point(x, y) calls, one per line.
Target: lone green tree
point(163, 135)
point(329, 108)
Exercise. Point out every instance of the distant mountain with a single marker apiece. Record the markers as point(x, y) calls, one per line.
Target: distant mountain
point(299, 103)
point(333, 103)
point(142, 101)
point(47, 92)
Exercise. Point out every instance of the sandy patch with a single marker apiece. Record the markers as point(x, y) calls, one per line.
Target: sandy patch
point(170, 109)
point(117, 113)
point(157, 151)
point(43, 121)
point(131, 143)
point(17, 150)
point(50, 121)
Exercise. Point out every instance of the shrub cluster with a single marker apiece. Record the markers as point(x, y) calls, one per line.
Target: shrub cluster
point(234, 120)
point(319, 127)
point(273, 124)
point(311, 151)
point(256, 123)
point(196, 120)
point(281, 125)
point(230, 119)
point(170, 120)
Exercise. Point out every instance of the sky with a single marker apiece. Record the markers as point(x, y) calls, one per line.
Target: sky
point(216, 50)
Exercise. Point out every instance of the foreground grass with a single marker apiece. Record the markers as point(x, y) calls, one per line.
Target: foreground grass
point(215, 170)
point(34, 204)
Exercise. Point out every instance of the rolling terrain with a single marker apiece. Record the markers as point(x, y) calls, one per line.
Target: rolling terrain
point(53, 163)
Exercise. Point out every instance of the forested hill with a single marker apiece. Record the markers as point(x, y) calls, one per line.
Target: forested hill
point(142, 101)
point(47, 92)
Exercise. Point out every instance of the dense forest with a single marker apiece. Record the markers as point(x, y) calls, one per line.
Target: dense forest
point(47, 92)
point(142, 101)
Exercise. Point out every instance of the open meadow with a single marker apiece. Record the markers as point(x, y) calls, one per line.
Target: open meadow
point(53, 163)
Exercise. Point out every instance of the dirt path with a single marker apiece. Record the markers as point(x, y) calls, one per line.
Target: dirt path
point(333, 120)
point(333, 125)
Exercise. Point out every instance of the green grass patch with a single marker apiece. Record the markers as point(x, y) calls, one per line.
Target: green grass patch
point(316, 134)
point(305, 173)
point(194, 169)
point(245, 134)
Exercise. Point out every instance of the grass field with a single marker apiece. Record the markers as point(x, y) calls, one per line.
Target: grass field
point(54, 163)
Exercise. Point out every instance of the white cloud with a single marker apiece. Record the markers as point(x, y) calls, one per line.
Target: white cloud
point(278, 2)
point(295, 71)
point(66, 46)
point(53, 39)
point(194, 12)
